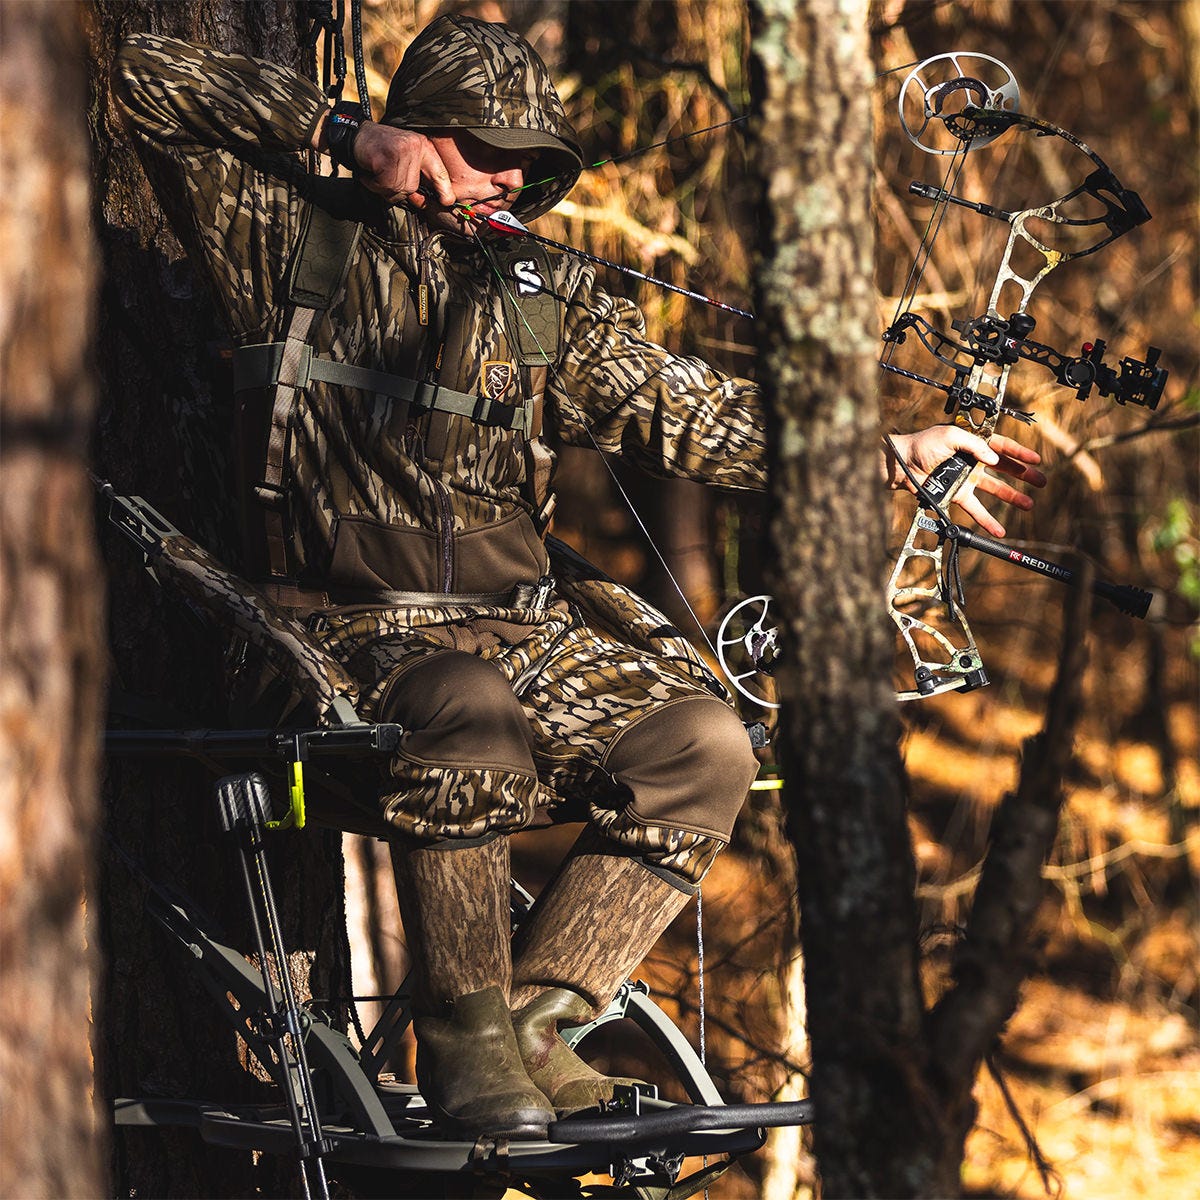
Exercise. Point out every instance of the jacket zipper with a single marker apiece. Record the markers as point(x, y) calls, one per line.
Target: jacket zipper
point(445, 534)
point(415, 446)
point(445, 512)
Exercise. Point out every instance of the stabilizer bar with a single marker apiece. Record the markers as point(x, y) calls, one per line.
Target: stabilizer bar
point(1132, 601)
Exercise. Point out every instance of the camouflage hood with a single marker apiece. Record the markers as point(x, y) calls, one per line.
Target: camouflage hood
point(463, 73)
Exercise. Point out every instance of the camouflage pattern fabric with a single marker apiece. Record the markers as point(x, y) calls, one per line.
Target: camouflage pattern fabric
point(381, 496)
point(579, 689)
point(284, 642)
point(462, 73)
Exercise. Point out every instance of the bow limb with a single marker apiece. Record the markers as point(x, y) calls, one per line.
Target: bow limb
point(945, 657)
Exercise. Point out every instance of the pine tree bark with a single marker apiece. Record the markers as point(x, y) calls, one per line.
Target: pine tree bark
point(839, 732)
point(50, 613)
point(165, 421)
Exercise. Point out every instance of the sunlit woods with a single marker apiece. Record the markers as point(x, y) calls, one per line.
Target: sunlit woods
point(1099, 1053)
point(1102, 1056)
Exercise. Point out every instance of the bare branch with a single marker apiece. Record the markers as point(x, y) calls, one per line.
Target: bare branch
point(993, 958)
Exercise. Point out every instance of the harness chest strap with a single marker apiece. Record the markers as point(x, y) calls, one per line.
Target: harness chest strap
point(273, 364)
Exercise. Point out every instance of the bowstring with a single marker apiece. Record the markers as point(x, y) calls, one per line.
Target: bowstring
point(581, 420)
point(632, 154)
point(616, 159)
point(924, 254)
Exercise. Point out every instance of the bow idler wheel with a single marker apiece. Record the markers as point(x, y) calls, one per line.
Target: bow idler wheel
point(957, 100)
point(747, 647)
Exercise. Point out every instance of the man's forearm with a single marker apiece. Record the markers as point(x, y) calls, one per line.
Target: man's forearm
point(174, 92)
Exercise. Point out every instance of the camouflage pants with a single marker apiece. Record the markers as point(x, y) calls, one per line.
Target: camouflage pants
point(513, 717)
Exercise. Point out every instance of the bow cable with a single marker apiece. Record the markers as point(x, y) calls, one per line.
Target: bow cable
point(552, 369)
point(924, 254)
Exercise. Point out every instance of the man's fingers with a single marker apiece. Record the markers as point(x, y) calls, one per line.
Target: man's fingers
point(1003, 492)
point(1013, 449)
point(1018, 461)
point(970, 504)
point(1022, 471)
point(960, 439)
point(433, 171)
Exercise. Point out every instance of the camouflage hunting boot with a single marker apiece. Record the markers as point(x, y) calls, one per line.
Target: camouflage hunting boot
point(470, 1072)
point(596, 920)
point(569, 1082)
point(455, 908)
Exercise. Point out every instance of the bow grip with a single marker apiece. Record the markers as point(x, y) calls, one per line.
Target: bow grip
point(943, 478)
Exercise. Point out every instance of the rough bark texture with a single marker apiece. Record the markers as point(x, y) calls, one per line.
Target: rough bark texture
point(50, 613)
point(164, 434)
point(839, 734)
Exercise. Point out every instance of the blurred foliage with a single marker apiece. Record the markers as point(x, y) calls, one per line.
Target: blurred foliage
point(1177, 536)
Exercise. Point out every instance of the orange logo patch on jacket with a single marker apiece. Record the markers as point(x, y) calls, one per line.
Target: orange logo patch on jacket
point(496, 378)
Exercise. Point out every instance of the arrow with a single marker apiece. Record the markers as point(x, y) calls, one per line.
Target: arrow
point(505, 224)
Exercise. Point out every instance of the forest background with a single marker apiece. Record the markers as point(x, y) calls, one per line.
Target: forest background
point(1101, 1058)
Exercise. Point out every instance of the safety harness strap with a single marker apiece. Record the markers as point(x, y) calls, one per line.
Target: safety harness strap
point(316, 276)
point(269, 491)
point(539, 462)
point(274, 364)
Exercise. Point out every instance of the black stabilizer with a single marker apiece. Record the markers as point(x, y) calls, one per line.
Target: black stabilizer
point(1132, 601)
point(243, 802)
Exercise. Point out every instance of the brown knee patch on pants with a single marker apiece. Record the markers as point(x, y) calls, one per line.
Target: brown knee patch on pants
point(459, 711)
point(688, 765)
point(465, 763)
point(686, 768)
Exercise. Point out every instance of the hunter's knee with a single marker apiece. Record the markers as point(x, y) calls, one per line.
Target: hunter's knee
point(459, 710)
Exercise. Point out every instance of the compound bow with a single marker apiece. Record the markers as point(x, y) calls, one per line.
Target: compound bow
point(948, 108)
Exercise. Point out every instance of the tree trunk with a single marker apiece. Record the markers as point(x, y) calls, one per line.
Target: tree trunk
point(165, 421)
point(839, 732)
point(50, 614)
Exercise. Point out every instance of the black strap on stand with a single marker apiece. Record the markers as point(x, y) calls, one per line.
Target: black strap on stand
point(244, 806)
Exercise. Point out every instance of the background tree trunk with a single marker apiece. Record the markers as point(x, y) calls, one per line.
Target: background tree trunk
point(839, 733)
point(165, 421)
point(50, 613)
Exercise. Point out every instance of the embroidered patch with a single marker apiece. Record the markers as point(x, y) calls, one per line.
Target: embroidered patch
point(529, 278)
point(496, 378)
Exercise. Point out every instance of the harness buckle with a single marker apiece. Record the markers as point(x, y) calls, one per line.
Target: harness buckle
point(496, 412)
point(425, 396)
point(270, 495)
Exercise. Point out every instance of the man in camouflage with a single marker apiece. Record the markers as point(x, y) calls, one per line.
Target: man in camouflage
point(398, 440)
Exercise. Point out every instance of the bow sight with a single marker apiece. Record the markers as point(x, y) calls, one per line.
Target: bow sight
point(988, 339)
point(950, 105)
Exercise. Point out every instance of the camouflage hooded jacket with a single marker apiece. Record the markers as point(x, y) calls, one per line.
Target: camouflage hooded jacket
point(381, 494)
